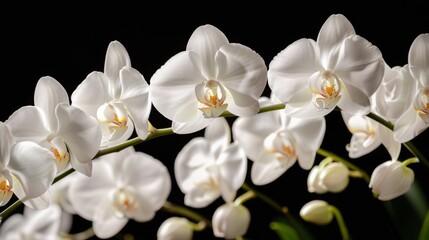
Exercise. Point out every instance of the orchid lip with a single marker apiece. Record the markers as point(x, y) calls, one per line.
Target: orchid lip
point(211, 95)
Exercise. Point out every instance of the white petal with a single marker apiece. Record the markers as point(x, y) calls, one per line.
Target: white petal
point(219, 135)
point(265, 172)
point(116, 58)
point(418, 59)
point(199, 198)
point(173, 85)
point(195, 121)
point(83, 96)
point(80, 131)
point(317, 212)
point(308, 111)
point(11, 226)
point(242, 104)
point(6, 142)
point(308, 133)
point(332, 33)
point(387, 139)
point(135, 96)
point(106, 223)
point(175, 228)
point(21, 130)
point(233, 165)
point(49, 92)
point(152, 186)
point(335, 177)
point(230, 221)
point(206, 40)
point(409, 126)
point(241, 69)
point(290, 70)
point(42, 202)
point(360, 64)
point(354, 101)
point(87, 192)
point(33, 166)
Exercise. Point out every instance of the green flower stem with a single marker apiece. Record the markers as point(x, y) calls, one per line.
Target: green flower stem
point(245, 197)
point(176, 209)
point(351, 166)
point(340, 221)
point(261, 110)
point(409, 145)
point(282, 209)
point(10, 209)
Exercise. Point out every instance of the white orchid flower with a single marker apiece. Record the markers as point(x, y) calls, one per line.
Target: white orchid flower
point(41, 224)
point(211, 166)
point(26, 169)
point(230, 221)
point(274, 142)
point(368, 135)
point(117, 97)
point(124, 185)
point(339, 69)
point(71, 134)
point(391, 179)
point(416, 119)
point(211, 76)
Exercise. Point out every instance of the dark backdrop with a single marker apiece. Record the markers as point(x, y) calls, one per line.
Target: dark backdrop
point(68, 42)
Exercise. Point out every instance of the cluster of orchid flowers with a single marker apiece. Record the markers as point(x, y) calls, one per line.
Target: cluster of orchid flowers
point(74, 156)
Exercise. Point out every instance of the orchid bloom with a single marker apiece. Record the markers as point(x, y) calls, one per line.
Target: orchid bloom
point(339, 69)
point(274, 141)
point(367, 135)
point(210, 166)
point(211, 76)
point(124, 185)
point(416, 119)
point(41, 224)
point(72, 135)
point(175, 228)
point(328, 176)
point(391, 179)
point(26, 169)
point(117, 97)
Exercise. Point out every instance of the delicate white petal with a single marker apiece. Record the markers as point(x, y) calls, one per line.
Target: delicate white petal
point(360, 64)
point(308, 131)
point(153, 186)
point(42, 202)
point(135, 96)
point(241, 69)
point(233, 165)
point(49, 92)
point(354, 101)
point(305, 157)
point(265, 172)
point(206, 40)
point(219, 135)
point(175, 228)
point(313, 181)
point(33, 166)
point(87, 192)
point(106, 222)
point(308, 111)
point(83, 96)
point(45, 222)
point(317, 212)
point(335, 177)
point(80, 131)
point(173, 85)
point(11, 226)
point(191, 127)
point(302, 98)
point(21, 130)
point(418, 59)
point(290, 70)
point(200, 198)
point(387, 139)
point(6, 142)
point(242, 104)
point(230, 221)
point(331, 35)
point(116, 58)
point(409, 126)
point(189, 119)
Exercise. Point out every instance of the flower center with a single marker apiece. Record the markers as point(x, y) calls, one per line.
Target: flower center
point(125, 201)
point(326, 89)
point(59, 148)
point(113, 119)
point(211, 95)
point(421, 104)
point(5, 190)
point(281, 144)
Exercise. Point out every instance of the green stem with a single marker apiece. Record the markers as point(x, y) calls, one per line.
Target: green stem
point(10, 209)
point(176, 209)
point(351, 166)
point(261, 110)
point(340, 221)
point(245, 197)
point(409, 145)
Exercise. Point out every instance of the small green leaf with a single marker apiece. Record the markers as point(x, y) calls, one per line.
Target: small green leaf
point(284, 231)
point(424, 231)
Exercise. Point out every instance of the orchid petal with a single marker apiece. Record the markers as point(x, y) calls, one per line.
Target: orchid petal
point(219, 135)
point(242, 104)
point(387, 139)
point(6, 142)
point(354, 101)
point(21, 130)
point(290, 70)
point(409, 126)
point(308, 131)
point(265, 172)
point(116, 58)
point(42, 202)
point(233, 166)
point(418, 59)
point(106, 223)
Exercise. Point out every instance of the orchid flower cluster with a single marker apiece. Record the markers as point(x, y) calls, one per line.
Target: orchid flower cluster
point(75, 155)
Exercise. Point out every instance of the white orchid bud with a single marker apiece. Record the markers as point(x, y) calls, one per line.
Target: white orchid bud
point(230, 221)
point(391, 179)
point(334, 177)
point(175, 228)
point(317, 212)
point(313, 183)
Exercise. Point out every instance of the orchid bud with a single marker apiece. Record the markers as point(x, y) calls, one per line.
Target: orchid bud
point(334, 177)
point(230, 221)
point(175, 228)
point(391, 179)
point(317, 212)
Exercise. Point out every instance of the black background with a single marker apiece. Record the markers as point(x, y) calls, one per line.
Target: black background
point(69, 42)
